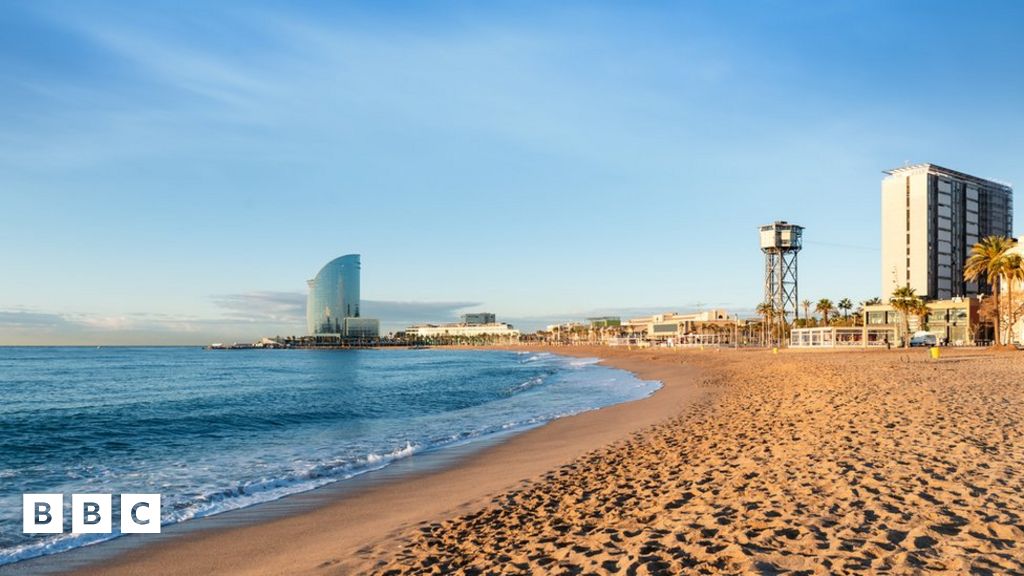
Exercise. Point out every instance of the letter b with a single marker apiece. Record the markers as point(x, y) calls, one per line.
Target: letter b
point(90, 513)
point(42, 513)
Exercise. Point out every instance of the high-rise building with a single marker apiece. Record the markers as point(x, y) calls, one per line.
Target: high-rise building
point(333, 296)
point(931, 217)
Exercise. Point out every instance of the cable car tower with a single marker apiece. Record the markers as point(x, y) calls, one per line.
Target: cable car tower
point(780, 243)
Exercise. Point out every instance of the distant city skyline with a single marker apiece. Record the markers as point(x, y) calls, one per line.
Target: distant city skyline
point(172, 173)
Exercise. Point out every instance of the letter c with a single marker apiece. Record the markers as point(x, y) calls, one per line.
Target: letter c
point(135, 510)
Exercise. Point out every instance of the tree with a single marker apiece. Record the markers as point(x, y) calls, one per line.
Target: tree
point(872, 302)
point(987, 261)
point(767, 311)
point(1014, 272)
point(845, 305)
point(905, 301)
point(807, 310)
point(825, 307)
point(920, 310)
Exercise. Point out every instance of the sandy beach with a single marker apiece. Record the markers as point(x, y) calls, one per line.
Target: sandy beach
point(744, 463)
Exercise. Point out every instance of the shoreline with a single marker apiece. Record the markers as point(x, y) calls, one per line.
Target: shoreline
point(328, 528)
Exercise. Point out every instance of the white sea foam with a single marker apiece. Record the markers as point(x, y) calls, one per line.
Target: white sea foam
point(569, 386)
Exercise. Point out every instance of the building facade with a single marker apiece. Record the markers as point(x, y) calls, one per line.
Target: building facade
point(931, 217)
point(479, 318)
point(463, 330)
point(332, 306)
point(954, 321)
point(671, 324)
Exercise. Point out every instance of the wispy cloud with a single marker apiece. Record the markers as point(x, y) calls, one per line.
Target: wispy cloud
point(31, 327)
point(20, 319)
point(264, 306)
point(332, 80)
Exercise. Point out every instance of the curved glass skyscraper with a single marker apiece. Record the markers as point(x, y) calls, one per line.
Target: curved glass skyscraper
point(333, 296)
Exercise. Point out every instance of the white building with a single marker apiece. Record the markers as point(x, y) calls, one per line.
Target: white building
point(931, 217)
point(497, 329)
point(673, 325)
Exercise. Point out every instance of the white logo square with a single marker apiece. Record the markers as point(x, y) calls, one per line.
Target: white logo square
point(90, 513)
point(42, 513)
point(140, 513)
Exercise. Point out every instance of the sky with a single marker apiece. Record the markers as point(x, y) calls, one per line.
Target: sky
point(173, 172)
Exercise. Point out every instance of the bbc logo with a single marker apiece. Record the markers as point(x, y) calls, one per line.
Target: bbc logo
point(90, 513)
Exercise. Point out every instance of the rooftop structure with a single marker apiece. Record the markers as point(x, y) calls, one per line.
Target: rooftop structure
point(478, 318)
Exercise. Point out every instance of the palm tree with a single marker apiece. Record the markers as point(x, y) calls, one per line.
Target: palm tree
point(1014, 272)
point(825, 307)
point(845, 305)
point(905, 301)
point(872, 302)
point(807, 310)
point(987, 261)
point(920, 310)
point(767, 311)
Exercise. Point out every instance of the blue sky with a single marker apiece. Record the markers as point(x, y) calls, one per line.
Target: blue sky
point(173, 172)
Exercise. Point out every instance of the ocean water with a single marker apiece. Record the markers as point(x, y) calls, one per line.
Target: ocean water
point(218, 430)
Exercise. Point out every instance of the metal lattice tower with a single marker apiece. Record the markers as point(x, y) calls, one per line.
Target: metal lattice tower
point(780, 243)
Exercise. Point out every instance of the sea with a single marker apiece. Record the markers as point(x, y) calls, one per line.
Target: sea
point(213, 430)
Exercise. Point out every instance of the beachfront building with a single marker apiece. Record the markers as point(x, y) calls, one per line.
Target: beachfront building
point(596, 330)
point(332, 306)
point(713, 326)
point(705, 328)
point(842, 336)
point(953, 322)
point(494, 330)
point(479, 318)
point(569, 333)
point(931, 217)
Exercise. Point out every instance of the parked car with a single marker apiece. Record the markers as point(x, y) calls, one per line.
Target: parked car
point(926, 339)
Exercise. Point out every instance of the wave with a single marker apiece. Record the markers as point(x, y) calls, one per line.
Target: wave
point(573, 389)
point(524, 386)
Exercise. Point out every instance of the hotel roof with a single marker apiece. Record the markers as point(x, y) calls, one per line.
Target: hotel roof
point(947, 171)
